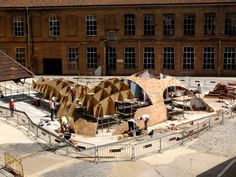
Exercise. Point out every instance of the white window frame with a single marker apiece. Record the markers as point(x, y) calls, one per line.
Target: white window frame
point(20, 55)
point(188, 58)
point(73, 57)
point(129, 55)
point(54, 26)
point(229, 58)
point(129, 22)
point(168, 58)
point(18, 26)
point(148, 58)
point(208, 58)
point(92, 61)
point(149, 24)
point(91, 25)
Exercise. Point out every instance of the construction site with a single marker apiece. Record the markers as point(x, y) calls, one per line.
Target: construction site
point(100, 129)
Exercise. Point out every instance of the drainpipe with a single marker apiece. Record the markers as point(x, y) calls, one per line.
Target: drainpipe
point(219, 44)
point(28, 37)
point(139, 38)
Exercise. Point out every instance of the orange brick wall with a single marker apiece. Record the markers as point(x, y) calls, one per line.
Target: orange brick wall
point(72, 34)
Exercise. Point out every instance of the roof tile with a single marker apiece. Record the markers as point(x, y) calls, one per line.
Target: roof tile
point(12, 70)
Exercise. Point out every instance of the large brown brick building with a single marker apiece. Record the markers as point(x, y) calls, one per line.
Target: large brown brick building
point(175, 37)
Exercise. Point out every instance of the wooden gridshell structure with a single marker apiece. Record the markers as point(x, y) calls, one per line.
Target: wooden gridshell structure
point(60, 89)
point(101, 99)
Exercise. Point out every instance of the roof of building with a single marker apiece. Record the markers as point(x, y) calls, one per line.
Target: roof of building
point(51, 3)
point(12, 70)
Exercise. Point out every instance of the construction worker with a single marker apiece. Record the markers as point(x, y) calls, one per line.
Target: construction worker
point(64, 124)
point(12, 107)
point(145, 118)
point(52, 108)
point(132, 126)
point(73, 93)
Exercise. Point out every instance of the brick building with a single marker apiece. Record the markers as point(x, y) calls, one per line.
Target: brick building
point(175, 37)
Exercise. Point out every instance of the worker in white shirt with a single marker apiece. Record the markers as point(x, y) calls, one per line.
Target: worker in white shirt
point(132, 124)
point(145, 118)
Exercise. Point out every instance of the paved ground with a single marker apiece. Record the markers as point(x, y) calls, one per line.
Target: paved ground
point(206, 156)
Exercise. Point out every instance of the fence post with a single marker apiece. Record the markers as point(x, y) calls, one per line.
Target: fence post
point(182, 139)
point(133, 153)
point(37, 133)
point(209, 123)
point(231, 113)
point(222, 121)
point(17, 119)
point(197, 129)
point(160, 145)
point(96, 159)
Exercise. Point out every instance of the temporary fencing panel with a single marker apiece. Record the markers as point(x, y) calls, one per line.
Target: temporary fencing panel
point(22, 120)
point(216, 119)
point(121, 151)
point(227, 115)
point(203, 126)
point(170, 140)
point(44, 136)
point(147, 147)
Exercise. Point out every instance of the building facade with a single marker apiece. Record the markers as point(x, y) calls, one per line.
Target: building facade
point(175, 38)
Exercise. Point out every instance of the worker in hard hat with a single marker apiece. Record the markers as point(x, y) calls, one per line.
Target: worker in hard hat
point(64, 124)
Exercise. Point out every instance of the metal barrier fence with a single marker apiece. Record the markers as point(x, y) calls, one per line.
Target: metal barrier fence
point(21, 119)
point(134, 150)
point(13, 164)
point(123, 151)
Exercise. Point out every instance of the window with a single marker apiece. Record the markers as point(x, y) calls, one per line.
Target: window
point(168, 58)
point(129, 24)
point(91, 25)
point(18, 26)
point(169, 25)
point(189, 24)
point(188, 58)
point(209, 24)
point(54, 26)
point(20, 55)
point(149, 56)
point(130, 58)
point(111, 58)
point(229, 58)
point(149, 25)
point(208, 58)
point(92, 58)
point(73, 56)
point(230, 24)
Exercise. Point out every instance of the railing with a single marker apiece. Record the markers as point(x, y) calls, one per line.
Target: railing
point(129, 150)
point(160, 142)
point(52, 140)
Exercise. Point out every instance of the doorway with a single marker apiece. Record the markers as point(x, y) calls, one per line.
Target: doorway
point(52, 66)
point(110, 60)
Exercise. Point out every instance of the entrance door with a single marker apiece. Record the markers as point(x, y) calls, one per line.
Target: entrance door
point(110, 60)
point(52, 66)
